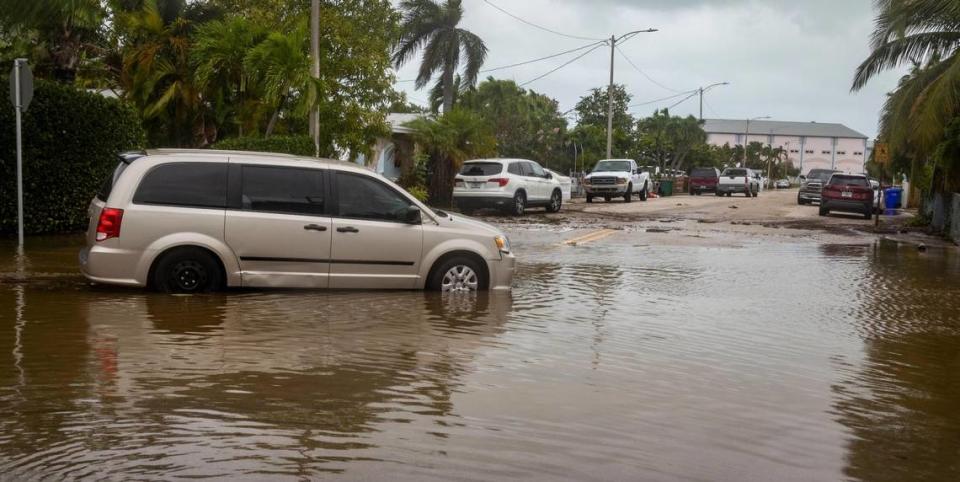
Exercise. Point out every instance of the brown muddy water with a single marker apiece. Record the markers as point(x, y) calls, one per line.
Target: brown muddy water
point(613, 360)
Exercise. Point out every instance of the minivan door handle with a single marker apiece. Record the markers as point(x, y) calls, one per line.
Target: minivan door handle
point(315, 227)
point(348, 229)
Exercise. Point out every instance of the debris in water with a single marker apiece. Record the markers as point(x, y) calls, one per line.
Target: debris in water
point(734, 207)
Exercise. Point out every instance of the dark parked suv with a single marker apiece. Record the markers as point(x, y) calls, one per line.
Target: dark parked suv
point(850, 193)
point(704, 179)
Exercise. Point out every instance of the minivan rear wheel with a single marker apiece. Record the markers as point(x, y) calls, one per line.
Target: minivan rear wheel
point(458, 274)
point(187, 270)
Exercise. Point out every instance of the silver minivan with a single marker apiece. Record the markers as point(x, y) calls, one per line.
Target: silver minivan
point(188, 221)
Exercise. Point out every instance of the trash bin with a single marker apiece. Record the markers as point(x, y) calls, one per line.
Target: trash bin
point(666, 187)
point(892, 197)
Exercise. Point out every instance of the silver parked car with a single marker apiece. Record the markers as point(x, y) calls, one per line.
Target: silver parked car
point(195, 221)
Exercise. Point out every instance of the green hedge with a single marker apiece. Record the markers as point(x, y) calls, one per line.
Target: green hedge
point(70, 142)
point(296, 145)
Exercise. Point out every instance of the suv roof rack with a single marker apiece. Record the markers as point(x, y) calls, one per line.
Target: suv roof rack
point(130, 156)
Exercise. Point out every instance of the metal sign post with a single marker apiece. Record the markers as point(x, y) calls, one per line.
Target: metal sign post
point(21, 93)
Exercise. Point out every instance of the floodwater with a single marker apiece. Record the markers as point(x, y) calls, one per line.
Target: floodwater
point(613, 360)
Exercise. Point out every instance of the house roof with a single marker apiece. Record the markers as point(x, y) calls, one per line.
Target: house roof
point(398, 122)
point(781, 128)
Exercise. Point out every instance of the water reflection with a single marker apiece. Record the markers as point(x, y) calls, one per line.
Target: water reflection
point(901, 403)
point(613, 362)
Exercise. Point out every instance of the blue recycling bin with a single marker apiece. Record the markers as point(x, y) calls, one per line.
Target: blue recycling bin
point(892, 197)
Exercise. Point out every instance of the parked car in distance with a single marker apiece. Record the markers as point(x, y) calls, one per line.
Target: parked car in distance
point(511, 185)
point(612, 178)
point(850, 193)
point(187, 221)
point(811, 185)
point(704, 179)
point(738, 180)
point(783, 184)
point(566, 184)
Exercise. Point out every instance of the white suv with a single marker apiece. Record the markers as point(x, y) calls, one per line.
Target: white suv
point(612, 178)
point(507, 184)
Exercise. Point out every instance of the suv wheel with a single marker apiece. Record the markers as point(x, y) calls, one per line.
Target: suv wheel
point(187, 270)
point(868, 213)
point(629, 195)
point(519, 205)
point(458, 274)
point(556, 201)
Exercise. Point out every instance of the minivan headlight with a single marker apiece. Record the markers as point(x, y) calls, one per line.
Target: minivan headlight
point(503, 244)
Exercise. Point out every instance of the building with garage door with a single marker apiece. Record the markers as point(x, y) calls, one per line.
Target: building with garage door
point(809, 145)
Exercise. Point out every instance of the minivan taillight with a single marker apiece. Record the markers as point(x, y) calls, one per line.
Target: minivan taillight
point(109, 224)
point(501, 181)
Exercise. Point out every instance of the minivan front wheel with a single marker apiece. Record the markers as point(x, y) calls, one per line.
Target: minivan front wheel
point(187, 271)
point(457, 275)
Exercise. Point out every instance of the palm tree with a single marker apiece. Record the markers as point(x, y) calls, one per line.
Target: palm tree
point(432, 28)
point(219, 50)
point(281, 64)
point(925, 34)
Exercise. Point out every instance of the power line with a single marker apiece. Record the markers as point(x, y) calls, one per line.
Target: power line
point(540, 59)
point(563, 65)
point(657, 101)
point(545, 29)
point(684, 99)
point(658, 84)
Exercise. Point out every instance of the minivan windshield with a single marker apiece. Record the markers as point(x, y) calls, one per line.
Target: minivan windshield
point(612, 166)
point(735, 172)
point(703, 172)
point(848, 181)
point(481, 169)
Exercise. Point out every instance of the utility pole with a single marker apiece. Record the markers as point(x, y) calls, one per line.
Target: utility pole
point(613, 47)
point(704, 89)
point(315, 54)
point(19, 106)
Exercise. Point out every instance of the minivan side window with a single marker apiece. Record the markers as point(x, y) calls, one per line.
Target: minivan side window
point(286, 190)
point(188, 184)
point(363, 197)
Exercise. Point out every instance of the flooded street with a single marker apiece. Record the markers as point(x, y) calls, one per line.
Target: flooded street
point(632, 356)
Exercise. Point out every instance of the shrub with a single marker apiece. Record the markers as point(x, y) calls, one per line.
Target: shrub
point(296, 145)
point(71, 140)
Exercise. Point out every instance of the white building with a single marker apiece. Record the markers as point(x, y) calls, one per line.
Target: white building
point(809, 145)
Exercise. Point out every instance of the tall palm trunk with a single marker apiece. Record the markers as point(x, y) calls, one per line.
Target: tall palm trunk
point(275, 116)
point(447, 90)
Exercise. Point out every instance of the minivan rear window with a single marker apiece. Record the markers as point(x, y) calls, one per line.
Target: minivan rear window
point(107, 187)
point(189, 184)
point(481, 169)
point(848, 181)
point(703, 173)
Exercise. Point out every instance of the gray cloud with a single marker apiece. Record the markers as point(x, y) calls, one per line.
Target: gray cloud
point(793, 60)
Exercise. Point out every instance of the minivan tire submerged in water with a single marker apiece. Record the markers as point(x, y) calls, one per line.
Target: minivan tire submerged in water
point(194, 221)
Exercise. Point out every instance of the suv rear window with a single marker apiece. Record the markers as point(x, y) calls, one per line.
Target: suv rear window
point(848, 181)
point(190, 184)
point(703, 173)
point(481, 169)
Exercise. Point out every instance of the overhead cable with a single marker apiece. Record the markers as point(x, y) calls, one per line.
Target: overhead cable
point(654, 82)
point(545, 29)
point(563, 65)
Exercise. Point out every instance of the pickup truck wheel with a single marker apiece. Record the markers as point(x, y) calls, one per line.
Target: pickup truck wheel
point(589, 199)
point(629, 195)
point(607, 198)
point(643, 193)
point(719, 194)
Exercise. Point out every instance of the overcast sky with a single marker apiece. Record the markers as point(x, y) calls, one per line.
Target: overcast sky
point(790, 59)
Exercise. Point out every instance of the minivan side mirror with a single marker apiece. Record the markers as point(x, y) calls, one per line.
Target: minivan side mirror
point(413, 215)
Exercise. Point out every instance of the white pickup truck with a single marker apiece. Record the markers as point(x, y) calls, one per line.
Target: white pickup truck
point(738, 179)
point(612, 178)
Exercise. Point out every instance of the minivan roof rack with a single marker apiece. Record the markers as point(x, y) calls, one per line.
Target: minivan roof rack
point(130, 156)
